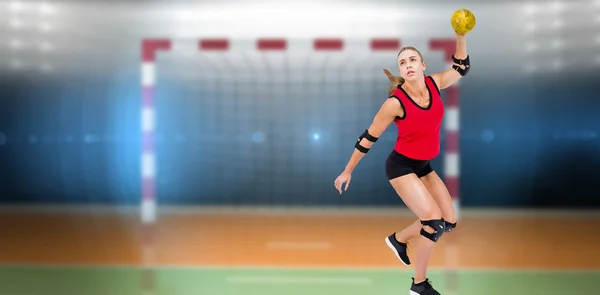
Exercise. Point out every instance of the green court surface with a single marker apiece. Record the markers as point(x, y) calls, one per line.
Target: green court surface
point(22, 280)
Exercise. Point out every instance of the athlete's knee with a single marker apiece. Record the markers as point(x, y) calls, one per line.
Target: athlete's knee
point(433, 229)
point(431, 212)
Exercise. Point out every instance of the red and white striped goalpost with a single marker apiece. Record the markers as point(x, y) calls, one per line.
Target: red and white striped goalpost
point(451, 163)
point(151, 47)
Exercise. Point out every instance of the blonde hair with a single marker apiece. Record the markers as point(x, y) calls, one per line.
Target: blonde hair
point(398, 81)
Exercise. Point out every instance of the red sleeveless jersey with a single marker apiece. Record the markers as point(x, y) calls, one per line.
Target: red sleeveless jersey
point(419, 128)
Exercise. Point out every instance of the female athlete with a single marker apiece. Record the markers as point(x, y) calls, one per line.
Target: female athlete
point(414, 104)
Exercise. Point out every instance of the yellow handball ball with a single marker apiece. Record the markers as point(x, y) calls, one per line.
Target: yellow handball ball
point(463, 21)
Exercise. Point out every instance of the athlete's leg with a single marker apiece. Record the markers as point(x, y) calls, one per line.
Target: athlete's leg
point(438, 191)
point(416, 197)
point(409, 232)
point(436, 187)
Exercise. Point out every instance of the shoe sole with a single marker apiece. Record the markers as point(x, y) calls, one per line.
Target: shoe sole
point(413, 293)
point(389, 244)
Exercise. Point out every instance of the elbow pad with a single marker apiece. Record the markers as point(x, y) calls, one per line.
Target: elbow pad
point(369, 137)
point(465, 62)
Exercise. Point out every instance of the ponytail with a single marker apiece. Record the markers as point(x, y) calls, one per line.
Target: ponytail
point(396, 81)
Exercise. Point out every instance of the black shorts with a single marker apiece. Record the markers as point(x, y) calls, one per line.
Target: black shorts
point(398, 165)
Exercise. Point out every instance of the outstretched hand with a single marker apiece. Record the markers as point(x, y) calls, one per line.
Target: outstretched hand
point(340, 180)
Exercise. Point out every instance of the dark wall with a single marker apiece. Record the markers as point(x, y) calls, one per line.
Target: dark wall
point(524, 142)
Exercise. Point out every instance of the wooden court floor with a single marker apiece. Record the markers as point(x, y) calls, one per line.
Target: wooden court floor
point(203, 239)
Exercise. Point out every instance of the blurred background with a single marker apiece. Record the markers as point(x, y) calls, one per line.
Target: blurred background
point(255, 130)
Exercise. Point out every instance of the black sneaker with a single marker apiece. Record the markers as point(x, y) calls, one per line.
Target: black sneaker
point(423, 288)
point(398, 248)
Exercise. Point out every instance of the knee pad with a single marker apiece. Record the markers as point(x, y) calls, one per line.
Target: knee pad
point(450, 226)
point(439, 226)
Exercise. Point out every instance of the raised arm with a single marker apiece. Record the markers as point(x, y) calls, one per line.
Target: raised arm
point(460, 68)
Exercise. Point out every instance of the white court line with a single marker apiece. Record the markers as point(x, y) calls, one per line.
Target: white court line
point(298, 280)
point(289, 245)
